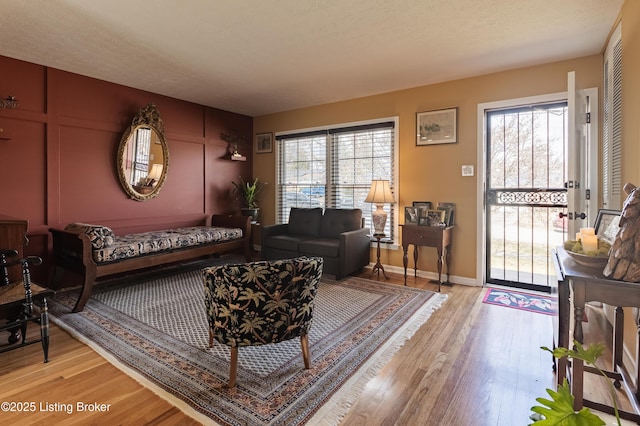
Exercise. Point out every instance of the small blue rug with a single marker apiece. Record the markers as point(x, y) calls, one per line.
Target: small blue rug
point(523, 301)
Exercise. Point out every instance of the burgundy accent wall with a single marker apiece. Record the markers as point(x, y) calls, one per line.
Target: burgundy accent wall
point(58, 155)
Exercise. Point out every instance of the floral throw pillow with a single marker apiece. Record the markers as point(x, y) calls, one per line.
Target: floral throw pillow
point(100, 236)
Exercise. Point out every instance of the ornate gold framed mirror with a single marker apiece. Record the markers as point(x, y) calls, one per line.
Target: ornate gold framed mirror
point(143, 155)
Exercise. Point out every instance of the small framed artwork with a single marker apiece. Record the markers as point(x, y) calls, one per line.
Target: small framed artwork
point(607, 224)
point(433, 218)
point(411, 215)
point(450, 209)
point(426, 204)
point(264, 143)
point(437, 127)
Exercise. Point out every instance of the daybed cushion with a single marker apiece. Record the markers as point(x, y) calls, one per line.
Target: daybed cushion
point(100, 236)
point(305, 221)
point(134, 245)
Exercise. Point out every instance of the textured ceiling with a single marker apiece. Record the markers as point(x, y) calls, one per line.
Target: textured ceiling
point(261, 56)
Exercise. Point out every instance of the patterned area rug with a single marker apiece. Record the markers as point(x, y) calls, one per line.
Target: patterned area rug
point(517, 300)
point(156, 331)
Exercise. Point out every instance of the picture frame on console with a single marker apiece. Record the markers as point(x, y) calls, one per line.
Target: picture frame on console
point(411, 215)
point(607, 224)
point(432, 217)
point(264, 143)
point(437, 127)
point(421, 208)
point(450, 209)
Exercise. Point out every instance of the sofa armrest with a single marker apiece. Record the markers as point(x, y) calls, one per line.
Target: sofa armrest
point(354, 237)
point(354, 250)
point(271, 230)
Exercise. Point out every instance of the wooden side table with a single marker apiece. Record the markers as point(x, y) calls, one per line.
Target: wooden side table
point(427, 236)
point(589, 285)
point(378, 266)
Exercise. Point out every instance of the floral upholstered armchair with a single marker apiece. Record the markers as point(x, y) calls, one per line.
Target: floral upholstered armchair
point(261, 302)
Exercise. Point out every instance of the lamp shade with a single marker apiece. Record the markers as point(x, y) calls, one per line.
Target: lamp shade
point(380, 193)
point(155, 172)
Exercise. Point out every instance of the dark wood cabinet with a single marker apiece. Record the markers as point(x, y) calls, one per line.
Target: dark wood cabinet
point(13, 235)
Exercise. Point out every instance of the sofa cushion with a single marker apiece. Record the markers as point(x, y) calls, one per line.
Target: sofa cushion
point(285, 242)
point(337, 221)
point(100, 236)
point(324, 247)
point(305, 221)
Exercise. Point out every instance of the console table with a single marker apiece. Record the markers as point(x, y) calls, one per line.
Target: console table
point(588, 285)
point(427, 236)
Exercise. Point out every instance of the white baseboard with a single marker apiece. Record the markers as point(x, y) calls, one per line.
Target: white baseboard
point(431, 275)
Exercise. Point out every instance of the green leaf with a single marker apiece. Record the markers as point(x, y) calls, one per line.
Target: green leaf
point(559, 410)
point(589, 355)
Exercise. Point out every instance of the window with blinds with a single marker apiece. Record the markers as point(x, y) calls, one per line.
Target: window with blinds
point(334, 167)
point(612, 123)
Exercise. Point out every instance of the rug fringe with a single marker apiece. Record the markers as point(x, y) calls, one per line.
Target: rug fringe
point(144, 382)
point(338, 406)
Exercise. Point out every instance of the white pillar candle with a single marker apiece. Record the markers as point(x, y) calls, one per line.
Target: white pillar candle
point(587, 231)
point(589, 243)
point(578, 236)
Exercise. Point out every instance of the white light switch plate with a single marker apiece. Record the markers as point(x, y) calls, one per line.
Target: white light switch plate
point(467, 170)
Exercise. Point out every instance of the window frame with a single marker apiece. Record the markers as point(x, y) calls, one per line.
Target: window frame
point(329, 130)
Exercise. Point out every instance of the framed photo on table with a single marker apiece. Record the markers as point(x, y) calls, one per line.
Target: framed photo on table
point(437, 127)
point(607, 224)
point(432, 218)
point(450, 209)
point(411, 215)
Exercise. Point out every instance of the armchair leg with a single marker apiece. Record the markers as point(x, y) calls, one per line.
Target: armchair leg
point(304, 342)
point(234, 367)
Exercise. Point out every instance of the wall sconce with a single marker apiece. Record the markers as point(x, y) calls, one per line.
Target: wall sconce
point(9, 102)
point(234, 140)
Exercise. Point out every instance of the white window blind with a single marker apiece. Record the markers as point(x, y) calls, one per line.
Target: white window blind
point(612, 123)
point(334, 167)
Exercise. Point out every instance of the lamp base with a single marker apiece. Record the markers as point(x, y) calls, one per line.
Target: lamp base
point(379, 219)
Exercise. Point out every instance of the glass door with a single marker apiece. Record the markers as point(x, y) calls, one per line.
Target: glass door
point(527, 167)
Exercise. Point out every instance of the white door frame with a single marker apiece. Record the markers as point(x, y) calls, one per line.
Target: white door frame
point(482, 166)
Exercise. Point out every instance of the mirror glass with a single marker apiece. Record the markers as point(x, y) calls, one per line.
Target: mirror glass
point(143, 155)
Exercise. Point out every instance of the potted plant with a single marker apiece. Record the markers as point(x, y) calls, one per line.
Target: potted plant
point(249, 192)
point(559, 409)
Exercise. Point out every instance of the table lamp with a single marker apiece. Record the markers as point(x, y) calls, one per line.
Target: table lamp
point(379, 194)
point(154, 175)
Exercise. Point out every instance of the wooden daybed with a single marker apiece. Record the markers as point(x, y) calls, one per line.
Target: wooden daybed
point(84, 249)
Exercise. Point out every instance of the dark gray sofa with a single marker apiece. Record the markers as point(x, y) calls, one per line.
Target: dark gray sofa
point(337, 235)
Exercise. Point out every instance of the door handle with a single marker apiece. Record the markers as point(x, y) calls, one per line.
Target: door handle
point(571, 216)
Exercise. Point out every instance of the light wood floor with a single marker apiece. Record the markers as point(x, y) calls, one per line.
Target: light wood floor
point(470, 364)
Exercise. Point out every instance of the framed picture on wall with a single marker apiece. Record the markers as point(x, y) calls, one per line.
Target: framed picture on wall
point(437, 127)
point(264, 143)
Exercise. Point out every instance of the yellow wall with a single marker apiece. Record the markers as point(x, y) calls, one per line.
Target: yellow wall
point(431, 173)
point(631, 92)
point(631, 127)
